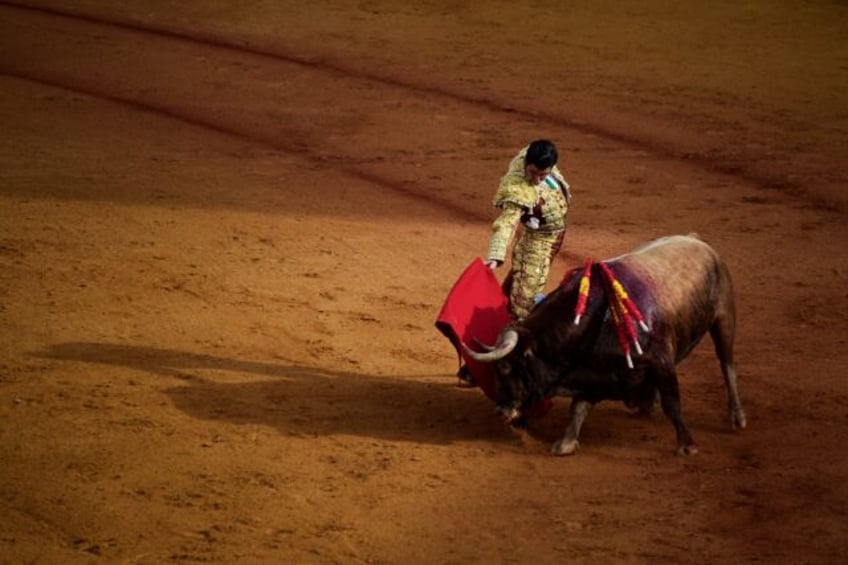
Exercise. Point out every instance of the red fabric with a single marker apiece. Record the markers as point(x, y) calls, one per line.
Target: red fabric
point(475, 310)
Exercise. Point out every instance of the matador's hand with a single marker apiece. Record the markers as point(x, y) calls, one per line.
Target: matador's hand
point(492, 264)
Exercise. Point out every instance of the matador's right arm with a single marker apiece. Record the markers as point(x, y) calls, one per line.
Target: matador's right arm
point(503, 229)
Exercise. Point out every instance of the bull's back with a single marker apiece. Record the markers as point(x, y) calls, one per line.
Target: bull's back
point(686, 286)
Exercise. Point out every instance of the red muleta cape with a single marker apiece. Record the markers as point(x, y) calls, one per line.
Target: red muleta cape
point(476, 309)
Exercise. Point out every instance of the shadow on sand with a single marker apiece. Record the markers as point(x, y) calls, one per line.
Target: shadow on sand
point(301, 401)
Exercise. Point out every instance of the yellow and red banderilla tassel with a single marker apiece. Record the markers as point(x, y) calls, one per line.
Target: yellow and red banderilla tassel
point(583, 293)
point(624, 311)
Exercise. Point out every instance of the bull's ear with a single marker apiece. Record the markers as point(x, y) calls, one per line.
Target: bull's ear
point(528, 342)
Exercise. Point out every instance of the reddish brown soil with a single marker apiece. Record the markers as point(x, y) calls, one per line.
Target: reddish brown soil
point(226, 233)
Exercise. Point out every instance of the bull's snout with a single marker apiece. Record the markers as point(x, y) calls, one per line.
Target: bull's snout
point(510, 413)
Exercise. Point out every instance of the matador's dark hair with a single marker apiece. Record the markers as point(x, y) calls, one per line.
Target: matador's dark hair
point(542, 154)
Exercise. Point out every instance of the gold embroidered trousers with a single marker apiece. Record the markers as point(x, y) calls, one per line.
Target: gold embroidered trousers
point(531, 263)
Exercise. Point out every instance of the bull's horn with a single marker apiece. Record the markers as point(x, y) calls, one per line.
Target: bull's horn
point(506, 343)
point(485, 346)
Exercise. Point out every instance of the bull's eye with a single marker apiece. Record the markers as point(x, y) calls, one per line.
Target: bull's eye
point(504, 368)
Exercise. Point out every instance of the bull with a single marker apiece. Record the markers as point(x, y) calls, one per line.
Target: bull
point(680, 288)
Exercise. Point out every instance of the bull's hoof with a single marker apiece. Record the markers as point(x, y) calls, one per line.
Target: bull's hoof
point(520, 423)
point(641, 412)
point(565, 447)
point(738, 419)
point(690, 449)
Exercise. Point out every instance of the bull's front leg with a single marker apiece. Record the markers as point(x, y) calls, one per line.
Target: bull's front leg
point(569, 443)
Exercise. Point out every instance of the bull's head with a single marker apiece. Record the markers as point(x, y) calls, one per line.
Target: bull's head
point(516, 385)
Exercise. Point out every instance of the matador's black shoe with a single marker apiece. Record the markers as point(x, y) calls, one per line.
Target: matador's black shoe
point(465, 378)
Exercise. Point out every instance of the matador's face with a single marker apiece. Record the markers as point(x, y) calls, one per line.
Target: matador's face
point(534, 174)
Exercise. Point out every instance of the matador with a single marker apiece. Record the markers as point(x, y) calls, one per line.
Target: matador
point(533, 198)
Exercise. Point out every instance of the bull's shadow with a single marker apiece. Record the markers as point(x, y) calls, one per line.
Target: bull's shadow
point(302, 401)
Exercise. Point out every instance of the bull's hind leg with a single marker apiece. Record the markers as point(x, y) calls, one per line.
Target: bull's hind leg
point(723, 332)
point(669, 390)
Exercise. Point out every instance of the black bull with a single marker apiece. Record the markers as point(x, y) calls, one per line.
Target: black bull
point(683, 290)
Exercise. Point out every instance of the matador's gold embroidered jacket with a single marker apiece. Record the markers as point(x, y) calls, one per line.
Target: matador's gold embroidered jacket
point(519, 200)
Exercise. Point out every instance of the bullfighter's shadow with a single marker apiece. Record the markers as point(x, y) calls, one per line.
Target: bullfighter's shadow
point(305, 401)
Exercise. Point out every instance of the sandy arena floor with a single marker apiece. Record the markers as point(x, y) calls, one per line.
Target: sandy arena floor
point(225, 234)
